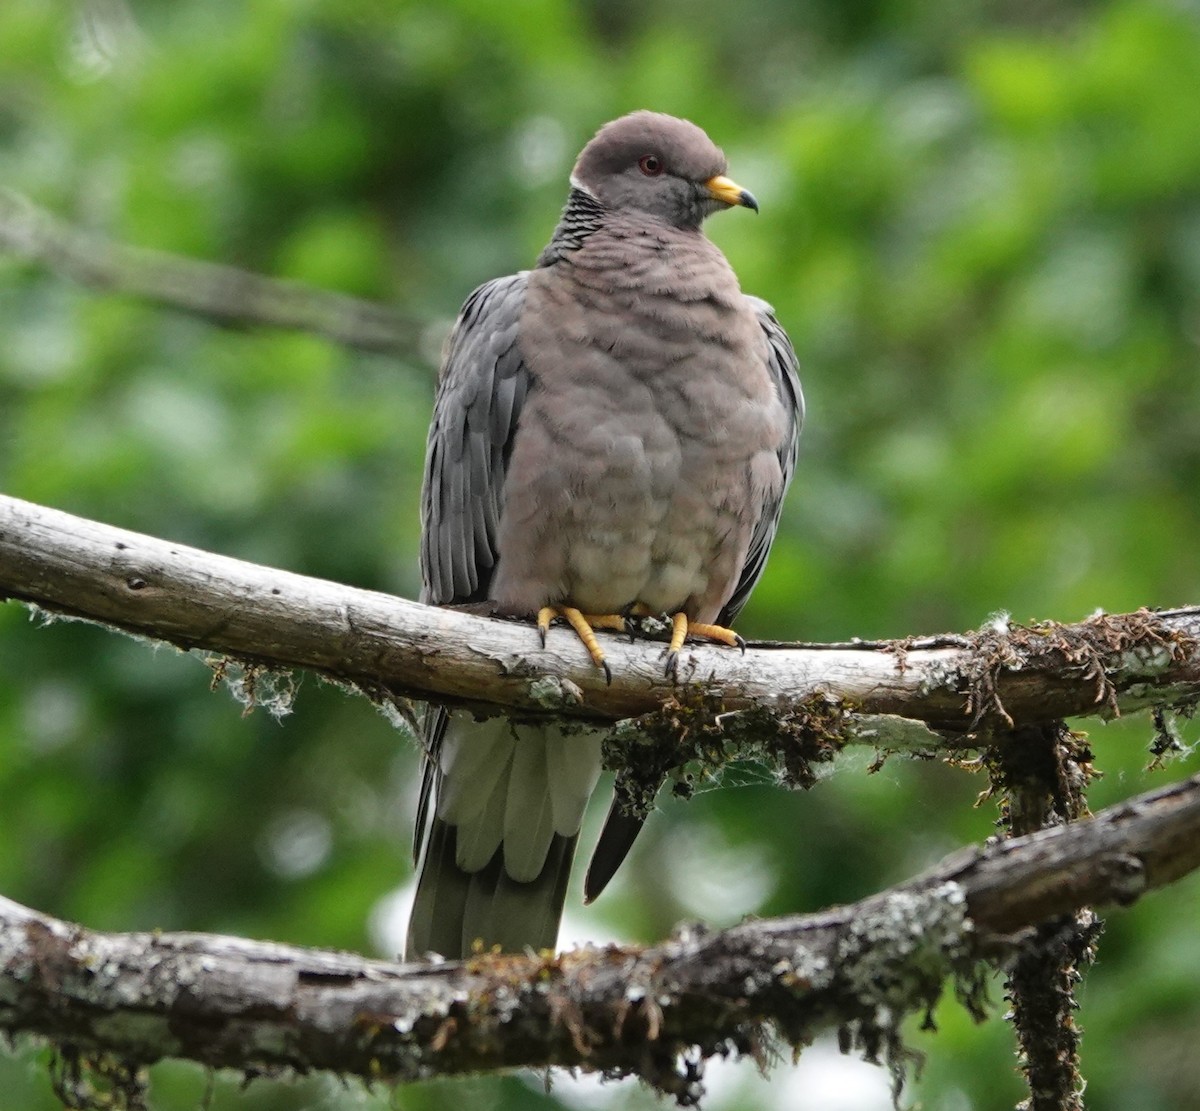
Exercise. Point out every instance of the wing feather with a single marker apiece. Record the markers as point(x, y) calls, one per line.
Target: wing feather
point(481, 387)
point(785, 373)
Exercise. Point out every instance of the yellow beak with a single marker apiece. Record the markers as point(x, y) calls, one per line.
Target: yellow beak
point(730, 192)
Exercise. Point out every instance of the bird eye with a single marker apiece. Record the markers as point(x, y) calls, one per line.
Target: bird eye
point(650, 165)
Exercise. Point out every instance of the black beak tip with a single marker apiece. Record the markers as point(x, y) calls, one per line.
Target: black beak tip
point(746, 200)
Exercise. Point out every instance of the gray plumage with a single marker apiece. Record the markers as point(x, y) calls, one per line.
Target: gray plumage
point(615, 427)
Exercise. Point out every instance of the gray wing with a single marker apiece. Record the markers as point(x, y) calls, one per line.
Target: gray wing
point(785, 373)
point(481, 388)
point(621, 828)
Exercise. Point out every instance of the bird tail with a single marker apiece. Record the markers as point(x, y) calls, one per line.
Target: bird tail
point(507, 807)
point(456, 910)
point(616, 839)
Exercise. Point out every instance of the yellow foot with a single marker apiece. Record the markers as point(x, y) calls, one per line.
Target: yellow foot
point(681, 629)
point(584, 626)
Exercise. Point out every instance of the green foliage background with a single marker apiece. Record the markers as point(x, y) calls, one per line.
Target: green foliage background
point(981, 225)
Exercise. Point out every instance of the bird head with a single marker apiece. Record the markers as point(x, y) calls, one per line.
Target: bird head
point(659, 165)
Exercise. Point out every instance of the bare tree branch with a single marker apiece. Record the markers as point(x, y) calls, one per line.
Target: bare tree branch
point(656, 1012)
point(195, 599)
point(224, 294)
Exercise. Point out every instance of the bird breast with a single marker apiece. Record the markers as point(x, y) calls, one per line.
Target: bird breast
point(649, 440)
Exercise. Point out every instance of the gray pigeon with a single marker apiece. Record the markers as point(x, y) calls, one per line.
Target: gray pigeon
point(613, 435)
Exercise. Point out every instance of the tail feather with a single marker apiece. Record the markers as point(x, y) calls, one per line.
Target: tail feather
point(514, 915)
point(454, 909)
point(507, 803)
point(437, 914)
point(616, 839)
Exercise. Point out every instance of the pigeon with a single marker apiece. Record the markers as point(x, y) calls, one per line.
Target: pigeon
point(612, 437)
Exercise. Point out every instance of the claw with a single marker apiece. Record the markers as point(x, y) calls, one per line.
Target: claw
point(584, 626)
point(679, 632)
point(545, 615)
point(681, 629)
point(718, 633)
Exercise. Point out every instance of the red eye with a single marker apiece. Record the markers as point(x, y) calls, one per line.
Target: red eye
point(650, 165)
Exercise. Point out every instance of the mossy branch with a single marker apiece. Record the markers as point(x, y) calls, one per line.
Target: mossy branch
point(656, 1012)
point(891, 694)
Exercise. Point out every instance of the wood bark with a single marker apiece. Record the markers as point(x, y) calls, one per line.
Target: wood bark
point(655, 1011)
point(275, 619)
